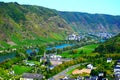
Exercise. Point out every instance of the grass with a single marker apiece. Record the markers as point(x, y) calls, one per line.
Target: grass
point(85, 50)
point(88, 48)
point(28, 42)
point(70, 71)
point(21, 69)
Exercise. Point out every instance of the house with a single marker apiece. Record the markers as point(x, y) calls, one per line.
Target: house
point(56, 57)
point(80, 78)
point(94, 78)
point(109, 60)
point(116, 69)
point(117, 65)
point(117, 76)
point(90, 66)
point(116, 73)
point(51, 67)
point(87, 77)
point(101, 74)
point(30, 63)
point(31, 76)
point(118, 62)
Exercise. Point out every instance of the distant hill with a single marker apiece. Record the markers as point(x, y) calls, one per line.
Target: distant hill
point(84, 22)
point(110, 46)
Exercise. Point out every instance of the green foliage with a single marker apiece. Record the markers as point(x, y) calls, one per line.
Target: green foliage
point(85, 50)
point(30, 25)
point(3, 74)
point(110, 46)
point(21, 69)
point(42, 50)
point(2, 43)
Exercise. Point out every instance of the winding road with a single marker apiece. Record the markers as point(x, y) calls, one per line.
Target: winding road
point(64, 72)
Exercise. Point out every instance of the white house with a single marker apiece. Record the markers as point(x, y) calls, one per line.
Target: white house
point(30, 63)
point(90, 66)
point(109, 60)
point(101, 74)
point(118, 62)
point(116, 69)
point(117, 76)
point(56, 57)
point(51, 67)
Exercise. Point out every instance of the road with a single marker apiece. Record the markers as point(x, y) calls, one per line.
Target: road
point(64, 72)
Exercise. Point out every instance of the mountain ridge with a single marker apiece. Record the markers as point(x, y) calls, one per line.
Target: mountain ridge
point(85, 22)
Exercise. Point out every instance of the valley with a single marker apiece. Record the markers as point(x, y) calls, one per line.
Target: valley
point(39, 43)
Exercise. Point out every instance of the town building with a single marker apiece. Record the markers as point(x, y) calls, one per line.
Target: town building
point(31, 76)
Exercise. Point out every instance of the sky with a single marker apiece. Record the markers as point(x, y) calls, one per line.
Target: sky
point(89, 6)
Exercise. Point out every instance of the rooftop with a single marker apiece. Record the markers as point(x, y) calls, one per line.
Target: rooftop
point(33, 76)
point(109, 58)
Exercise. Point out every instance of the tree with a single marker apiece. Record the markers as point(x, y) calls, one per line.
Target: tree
point(74, 51)
point(42, 50)
point(81, 52)
point(94, 72)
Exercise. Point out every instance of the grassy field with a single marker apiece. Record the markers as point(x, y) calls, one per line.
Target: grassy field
point(21, 69)
point(80, 51)
point(88, 48)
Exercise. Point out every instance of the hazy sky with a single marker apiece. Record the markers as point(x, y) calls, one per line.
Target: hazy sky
point(89, 6)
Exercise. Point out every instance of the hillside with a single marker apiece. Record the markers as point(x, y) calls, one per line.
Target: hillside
point(110, 46)
point(29, 24)
point(26, 24)
point(84, 22)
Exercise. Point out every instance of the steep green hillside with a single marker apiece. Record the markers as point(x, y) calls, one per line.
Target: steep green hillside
point(83, 22)
point(25, 24)
point(110, 46)
point(28, 24)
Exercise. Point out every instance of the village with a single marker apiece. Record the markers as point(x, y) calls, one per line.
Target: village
point(52, 65)
point(85, 72)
